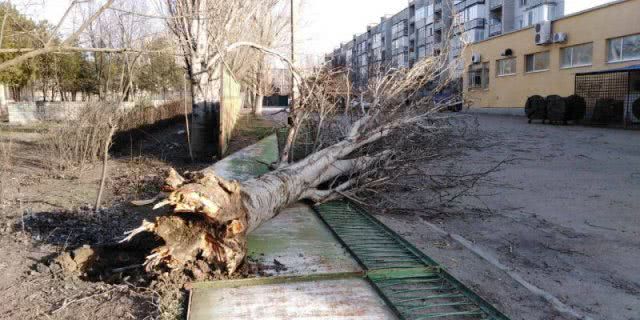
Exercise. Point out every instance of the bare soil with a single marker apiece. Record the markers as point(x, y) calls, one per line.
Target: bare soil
point(44, 213)
point(564, 214)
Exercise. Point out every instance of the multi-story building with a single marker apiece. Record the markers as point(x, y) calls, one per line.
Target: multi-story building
point(425, 27)
point(481, 19)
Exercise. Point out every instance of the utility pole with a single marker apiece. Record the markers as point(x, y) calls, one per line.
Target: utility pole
point(293, 54)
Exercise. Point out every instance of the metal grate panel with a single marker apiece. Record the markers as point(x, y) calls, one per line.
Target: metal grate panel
point(411, 283)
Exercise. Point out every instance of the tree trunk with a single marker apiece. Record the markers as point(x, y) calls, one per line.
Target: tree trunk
point(259, 95)
point(258, 102)
point(213, 216)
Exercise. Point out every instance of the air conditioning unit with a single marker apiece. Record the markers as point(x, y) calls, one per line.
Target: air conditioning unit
point(507, 53)
point(476, 58)
point(560, 37)
point(543, 33)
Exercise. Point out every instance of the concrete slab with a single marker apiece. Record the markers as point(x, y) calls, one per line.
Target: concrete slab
point(350, 298)
point(249, 162)
point(301, 242)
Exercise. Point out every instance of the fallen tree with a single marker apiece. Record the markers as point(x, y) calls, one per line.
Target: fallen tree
point(363, 149)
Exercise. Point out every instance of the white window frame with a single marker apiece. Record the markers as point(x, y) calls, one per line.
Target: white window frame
point(499, 67)
point(571, 64)
point(534, 61)
point(622, 58)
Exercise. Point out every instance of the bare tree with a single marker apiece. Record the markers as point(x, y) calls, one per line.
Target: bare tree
point(205, 29)
point(269, 32)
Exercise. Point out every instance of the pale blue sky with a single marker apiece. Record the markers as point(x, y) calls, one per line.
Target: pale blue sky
point(325, 23)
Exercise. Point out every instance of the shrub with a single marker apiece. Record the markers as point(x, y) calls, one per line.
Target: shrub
point(75, 143)
point(536, 108)
point(577, 106)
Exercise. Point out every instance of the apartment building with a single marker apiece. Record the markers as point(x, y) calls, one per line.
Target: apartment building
point(425, 27)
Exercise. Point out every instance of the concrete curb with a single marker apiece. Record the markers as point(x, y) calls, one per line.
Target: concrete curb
point(515, 112)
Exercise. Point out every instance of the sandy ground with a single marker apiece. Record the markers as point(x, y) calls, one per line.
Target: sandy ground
point(564, 216)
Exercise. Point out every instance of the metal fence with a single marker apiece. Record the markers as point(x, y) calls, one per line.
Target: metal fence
point(611, 96)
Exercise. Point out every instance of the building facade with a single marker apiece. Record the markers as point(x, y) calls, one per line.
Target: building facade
point(425, 27)
point(503, 71)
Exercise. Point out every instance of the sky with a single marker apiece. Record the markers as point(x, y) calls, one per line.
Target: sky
point(325, 23)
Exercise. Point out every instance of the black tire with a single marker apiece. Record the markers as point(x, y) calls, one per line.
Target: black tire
point(635, 109)
point(557, 110)
point(577, 106)
point(608, 111)
point(536, 108)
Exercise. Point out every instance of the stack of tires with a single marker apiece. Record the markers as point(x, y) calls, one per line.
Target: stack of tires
point(608, 111)
point(577, 106)
point(635, 108)
point(556, 109)
point(536, 108)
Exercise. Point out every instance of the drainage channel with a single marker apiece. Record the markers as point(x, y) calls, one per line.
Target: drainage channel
point(413, 285)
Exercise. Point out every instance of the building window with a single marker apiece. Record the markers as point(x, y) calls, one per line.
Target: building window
point(399, 29)
point(624, 48)
point(422, 52)
point(421, 13)
point(399, 43)
point(537, 61)
point(421, 34)
point(377, 41)
point(479, 76)
point(506, 67)
point(577, 56)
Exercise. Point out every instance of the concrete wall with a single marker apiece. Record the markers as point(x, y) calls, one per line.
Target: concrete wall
point(597, 25)
point(28, 112)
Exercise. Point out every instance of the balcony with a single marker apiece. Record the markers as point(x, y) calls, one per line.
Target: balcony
point(495, 29)
point(437, 25)
point(437, 38)
point(400, 50)
point(475, 23)
point(437, 6)
point(495, 4)
point(535, 3)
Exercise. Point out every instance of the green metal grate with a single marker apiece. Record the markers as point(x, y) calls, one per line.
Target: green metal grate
point(411, 283)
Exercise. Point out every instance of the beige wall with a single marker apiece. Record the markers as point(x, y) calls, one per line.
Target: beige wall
point(598, 25)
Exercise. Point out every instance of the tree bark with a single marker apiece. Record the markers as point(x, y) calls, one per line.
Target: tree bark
point(258, 102)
